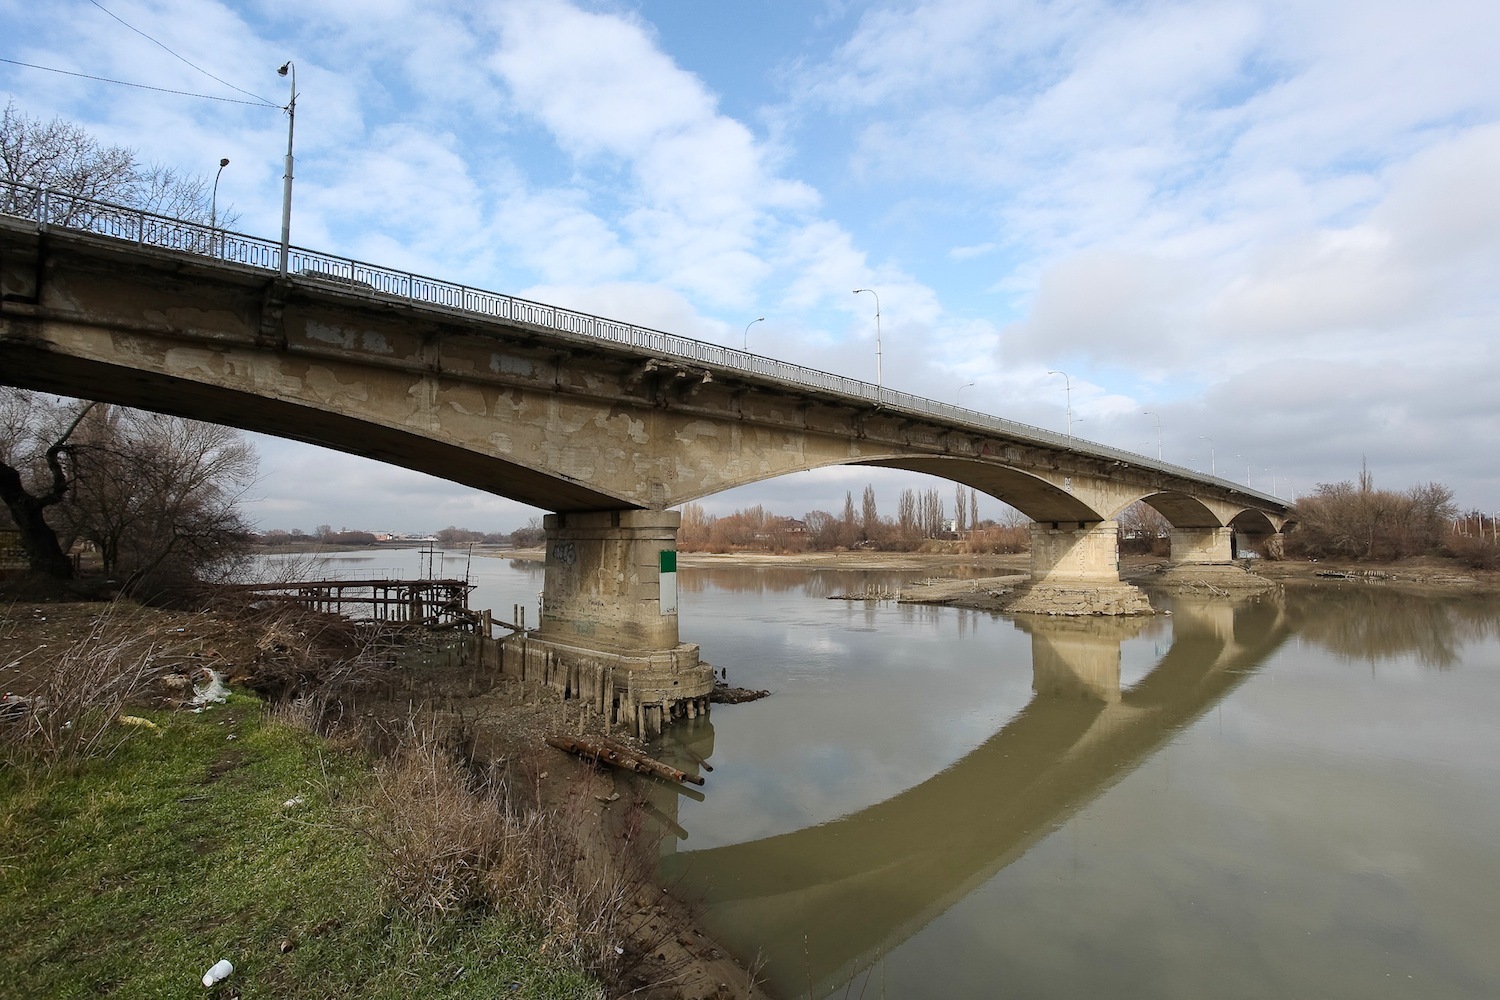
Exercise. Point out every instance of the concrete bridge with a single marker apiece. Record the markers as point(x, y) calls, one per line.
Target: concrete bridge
point(829, 901)
point(606, 424)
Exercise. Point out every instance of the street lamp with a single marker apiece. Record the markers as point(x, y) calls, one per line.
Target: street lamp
point(1213, 466)
point(746, 344)
point(286, 177)
point(1247, 468)
point(1148, 413)
point(213, 209)
point(1068, 388)
point(878, 382)
point(960, 392)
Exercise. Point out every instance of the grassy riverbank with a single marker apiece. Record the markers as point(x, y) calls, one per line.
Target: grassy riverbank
point(132, 869)
point(348, 844)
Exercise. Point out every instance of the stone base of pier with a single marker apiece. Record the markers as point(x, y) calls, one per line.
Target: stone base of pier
point(645, 692)
point(1057, 598)
point(1075, 570)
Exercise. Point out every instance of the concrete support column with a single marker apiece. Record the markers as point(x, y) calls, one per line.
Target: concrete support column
point(1202, 545)
point(1075, 570)
point(603, 583)
point(608, 633)
point(1075, 552)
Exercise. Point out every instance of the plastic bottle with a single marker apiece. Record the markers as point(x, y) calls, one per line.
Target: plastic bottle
point(220, 970)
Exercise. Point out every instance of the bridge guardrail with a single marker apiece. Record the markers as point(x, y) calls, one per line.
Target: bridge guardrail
point(47, 207)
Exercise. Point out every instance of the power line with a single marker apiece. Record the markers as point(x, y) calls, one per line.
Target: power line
point(258, 102)
point(195, 66)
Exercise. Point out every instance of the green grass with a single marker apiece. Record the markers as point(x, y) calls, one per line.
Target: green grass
point(130, 874)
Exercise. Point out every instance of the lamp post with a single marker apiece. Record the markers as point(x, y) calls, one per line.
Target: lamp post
point(878, 382)
point(746, 345)
point(286, 177)
point(1158, 432)
point(957, 395)
point(1213, 465)
point(1247, 468)
point(213, 210)
point(1068, 388)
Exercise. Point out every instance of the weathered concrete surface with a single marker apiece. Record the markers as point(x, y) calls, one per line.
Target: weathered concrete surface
point(608, 634)
point(1202, 545)
point(603, 581)
point(1075, 570)
point(1080, 600)
point(609, 620)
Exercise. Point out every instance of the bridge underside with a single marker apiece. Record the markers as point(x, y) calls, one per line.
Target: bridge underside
point(48, 371)
point(566, 422)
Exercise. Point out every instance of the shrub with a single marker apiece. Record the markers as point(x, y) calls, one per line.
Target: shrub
point(1475, 553)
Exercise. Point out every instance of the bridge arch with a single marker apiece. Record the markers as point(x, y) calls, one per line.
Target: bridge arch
point(1181, 510)
point(1034, 494)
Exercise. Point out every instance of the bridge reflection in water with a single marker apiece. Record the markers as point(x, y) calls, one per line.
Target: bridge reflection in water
point(824, 903)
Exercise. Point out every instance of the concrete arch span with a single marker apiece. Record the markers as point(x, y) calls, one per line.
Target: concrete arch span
point(314, 406)
point(1040, 495)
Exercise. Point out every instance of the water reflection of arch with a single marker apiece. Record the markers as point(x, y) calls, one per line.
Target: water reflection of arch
point(826, 902)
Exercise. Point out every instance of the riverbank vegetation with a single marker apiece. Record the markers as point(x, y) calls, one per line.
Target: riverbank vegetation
point(153, 500)
point(141, 840)
point(1357, 521)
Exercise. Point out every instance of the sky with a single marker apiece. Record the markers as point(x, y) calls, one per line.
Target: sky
point(1261, 238)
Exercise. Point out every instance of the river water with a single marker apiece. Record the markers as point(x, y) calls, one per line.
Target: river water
point(1290, 796)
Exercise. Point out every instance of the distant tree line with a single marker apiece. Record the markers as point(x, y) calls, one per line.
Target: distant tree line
point(921, 520)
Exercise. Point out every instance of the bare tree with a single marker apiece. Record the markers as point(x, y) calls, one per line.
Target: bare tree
point(37, 470)
point(906, 513)
point(73, 165)
point(535, 534)
point(960, 509)
point(871, 519)
point(1010, 517)
point(158, 496)
point(932, 513)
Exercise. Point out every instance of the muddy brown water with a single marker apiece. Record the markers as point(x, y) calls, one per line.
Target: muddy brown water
point(1296, 795)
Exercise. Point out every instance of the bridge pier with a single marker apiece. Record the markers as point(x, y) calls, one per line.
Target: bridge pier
point(1202, 545)
point(1204, 558)
point(608, 629)
point(1075, 570)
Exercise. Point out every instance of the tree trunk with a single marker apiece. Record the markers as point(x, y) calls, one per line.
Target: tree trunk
point(43, 553)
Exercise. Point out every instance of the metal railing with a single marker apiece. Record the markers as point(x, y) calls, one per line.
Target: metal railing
point(75, 211)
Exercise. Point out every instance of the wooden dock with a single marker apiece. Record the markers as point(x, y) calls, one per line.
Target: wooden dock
point(430, 603)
